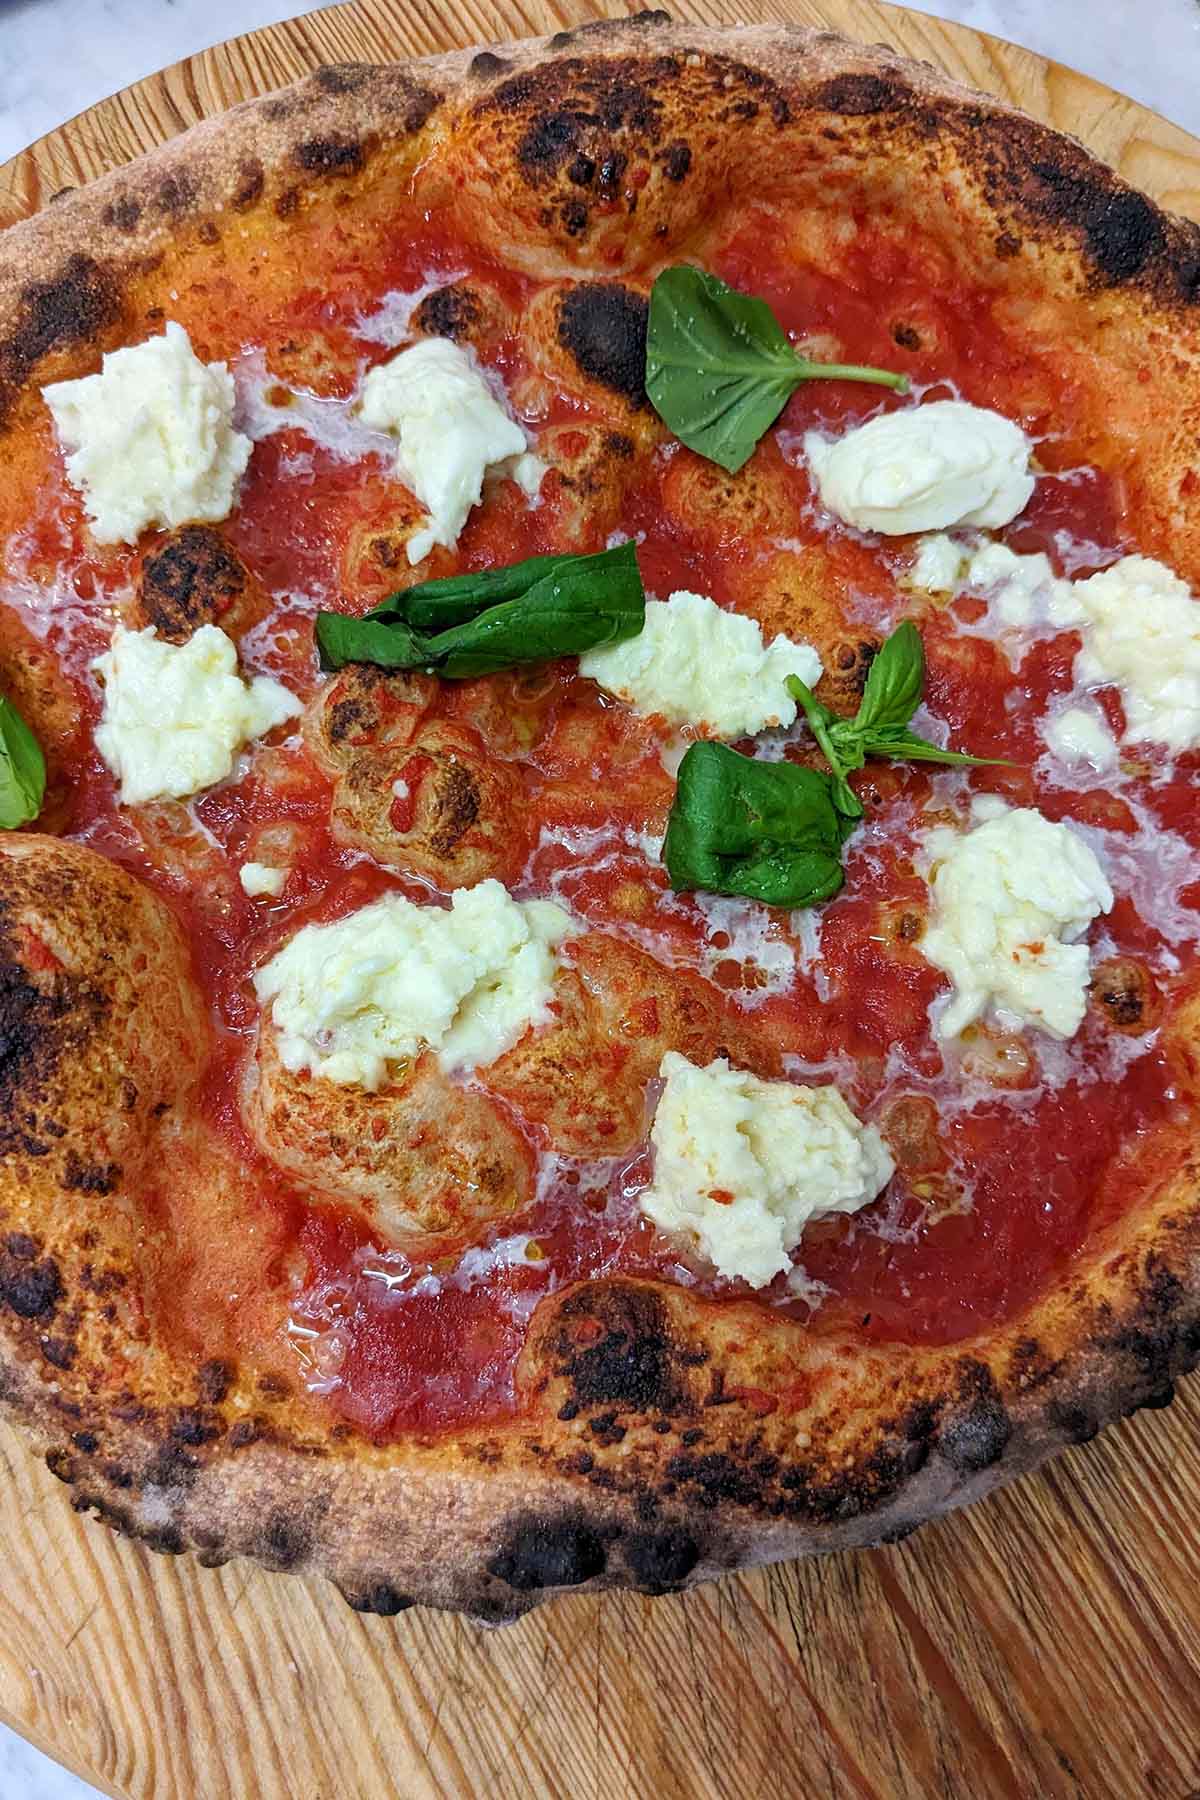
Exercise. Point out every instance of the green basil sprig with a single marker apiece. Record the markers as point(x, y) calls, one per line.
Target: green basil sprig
point(720, 369)
point(895, 684)
point(22, 770)
point(468, 625)
point(766, 831)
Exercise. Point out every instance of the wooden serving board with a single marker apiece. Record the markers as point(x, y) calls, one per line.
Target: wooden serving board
point(1043, 1644)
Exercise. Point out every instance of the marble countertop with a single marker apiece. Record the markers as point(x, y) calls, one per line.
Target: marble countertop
point(113, 42)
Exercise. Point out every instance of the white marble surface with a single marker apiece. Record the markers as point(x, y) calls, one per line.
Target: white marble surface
point(59, 56)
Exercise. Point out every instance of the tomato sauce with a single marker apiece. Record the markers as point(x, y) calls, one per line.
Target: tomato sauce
point(1001, 1176)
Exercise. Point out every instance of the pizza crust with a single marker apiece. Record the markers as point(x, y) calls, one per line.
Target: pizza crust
point(651, 1451)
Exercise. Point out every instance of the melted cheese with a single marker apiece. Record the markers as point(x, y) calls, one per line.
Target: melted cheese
point(150, 439)
point(353, 999)
point(176, 715)
point(451, 432)
point(260, 881)
point(696, 664)
point(1080, 734)
point(1010, 899)
point(923, 468)
point(1138, 622)
point(1141, 631)
point(741, 1165)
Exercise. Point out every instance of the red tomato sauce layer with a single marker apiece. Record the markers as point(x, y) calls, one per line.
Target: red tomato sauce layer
point(1002, 1171)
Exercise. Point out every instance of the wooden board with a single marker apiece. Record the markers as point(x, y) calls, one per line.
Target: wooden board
point(1044, 1644)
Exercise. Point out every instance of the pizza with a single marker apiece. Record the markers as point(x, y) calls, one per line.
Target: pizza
point(599, 711)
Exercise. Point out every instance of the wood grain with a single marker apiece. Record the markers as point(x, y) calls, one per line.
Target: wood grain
point(1044, 1644)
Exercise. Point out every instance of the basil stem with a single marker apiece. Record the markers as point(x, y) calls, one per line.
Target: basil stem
point(894, 686)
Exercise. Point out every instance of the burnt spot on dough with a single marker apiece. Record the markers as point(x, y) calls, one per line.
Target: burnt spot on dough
point(376, 1596)
point(850, 663)
point(485, 64)
point(896, 1534)
point(600, 109)
point(611, 1342)
point(976, 1431)
point(456, 801)
point(59, 1352)
point(250, 183)
point(31, 1288)
point(171, 1466)
point(39, 1026)
point(677, 160)
point(1051, 181)
point(860, 95)
point(76, 307)
point(190, 580)
point(350, 716)
point(1072, 1421)
point(413, 103)
point(176, 194)
point(602, 326)
point(195, 1425)
point(122, 214)
point(548, 1553)
point(330, 156)
point(661, 1560)
point(214, 1380)
point(341, 78)
point(80, 1176)
point(1122, 229)
point(1125, 992)
point(283, 1540)
point(451, 312)
point(1160, 1341)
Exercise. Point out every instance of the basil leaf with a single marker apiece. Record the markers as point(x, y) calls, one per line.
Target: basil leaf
point(559, 606)
point(720, 369)
point(765, 831)
point(388, 642)
point(895, 681)
point(438, 605)
point(892, 695)
point(22, 770)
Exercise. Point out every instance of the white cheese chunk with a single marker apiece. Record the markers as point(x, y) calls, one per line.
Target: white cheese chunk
point(376, 988)
point(260, 880)
point(696, 664)
point(924, 468)
point(1024, 594)
point(742, 1165)
point(1010, 899)
point(451, 431)
point(176, 715)
point(939, 564)
point(1141, 631)
point(150, 439)
point(1080, 734)
point(1139, 626)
